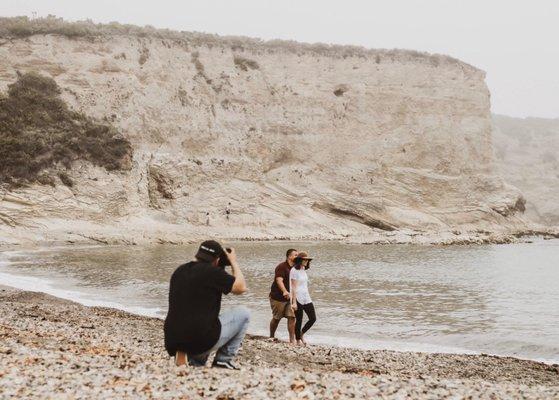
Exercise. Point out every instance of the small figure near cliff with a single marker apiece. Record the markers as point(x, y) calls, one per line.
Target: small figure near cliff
point(207, 218)
point(194, 326)
point(228, 211)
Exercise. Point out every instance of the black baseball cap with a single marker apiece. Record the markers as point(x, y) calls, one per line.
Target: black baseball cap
point(209, 251)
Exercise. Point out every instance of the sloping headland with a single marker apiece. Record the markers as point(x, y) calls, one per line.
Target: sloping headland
point(527, 156)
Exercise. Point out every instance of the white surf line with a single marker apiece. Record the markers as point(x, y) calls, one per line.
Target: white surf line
point(41, 285)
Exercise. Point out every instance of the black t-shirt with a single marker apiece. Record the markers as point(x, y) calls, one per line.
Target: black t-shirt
point(192, 324)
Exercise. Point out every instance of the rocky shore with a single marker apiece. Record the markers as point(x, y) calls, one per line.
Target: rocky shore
point(11, 237)
point(52, 348)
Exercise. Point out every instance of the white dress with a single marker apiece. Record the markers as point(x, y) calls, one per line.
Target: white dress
point(302, 289)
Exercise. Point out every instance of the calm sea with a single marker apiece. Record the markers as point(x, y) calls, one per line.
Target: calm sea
point(501, 299)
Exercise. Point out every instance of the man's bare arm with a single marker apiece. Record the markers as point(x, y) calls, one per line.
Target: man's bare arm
point(239, 286)
point(279, 281)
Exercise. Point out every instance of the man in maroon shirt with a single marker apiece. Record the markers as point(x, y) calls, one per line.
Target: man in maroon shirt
point(279, 296)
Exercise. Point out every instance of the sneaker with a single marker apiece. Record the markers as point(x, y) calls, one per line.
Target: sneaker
point(224, 364)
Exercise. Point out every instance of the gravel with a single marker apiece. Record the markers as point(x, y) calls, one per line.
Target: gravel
point(53, 348)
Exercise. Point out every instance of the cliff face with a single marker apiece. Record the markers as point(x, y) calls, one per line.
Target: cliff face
point(301, 143)
point(527, 156)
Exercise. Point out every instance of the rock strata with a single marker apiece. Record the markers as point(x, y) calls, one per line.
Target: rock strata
point(527, 156)
point(348, 142)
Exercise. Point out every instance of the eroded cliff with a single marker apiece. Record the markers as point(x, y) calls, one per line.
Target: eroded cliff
point(298, 141)
point(527, 156)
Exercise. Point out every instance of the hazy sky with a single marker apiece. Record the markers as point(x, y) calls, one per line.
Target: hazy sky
point(515, 41)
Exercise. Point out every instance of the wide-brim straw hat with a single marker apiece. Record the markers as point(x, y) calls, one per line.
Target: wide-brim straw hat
point(303, 256)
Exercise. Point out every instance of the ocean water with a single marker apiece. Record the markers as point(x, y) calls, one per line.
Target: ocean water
point(496, 299)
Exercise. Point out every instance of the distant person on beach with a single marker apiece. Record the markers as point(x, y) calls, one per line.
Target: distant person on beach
point(280, 297)
point(194, 327)
point(300, 296)
point(228, 211)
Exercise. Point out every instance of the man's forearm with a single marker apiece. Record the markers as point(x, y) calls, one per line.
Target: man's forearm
point(238, 274)
point(281, 285)
point(239, 286)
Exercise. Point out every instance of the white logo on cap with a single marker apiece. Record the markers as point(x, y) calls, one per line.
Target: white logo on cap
point(207, 249)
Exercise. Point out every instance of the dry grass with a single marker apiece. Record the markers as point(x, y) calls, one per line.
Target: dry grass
point(38, 131)
point(245, 64)
point(51, 25)
point(195, 58)
point(144, 56)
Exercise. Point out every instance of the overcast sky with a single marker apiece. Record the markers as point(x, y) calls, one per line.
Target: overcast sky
point(515, 41)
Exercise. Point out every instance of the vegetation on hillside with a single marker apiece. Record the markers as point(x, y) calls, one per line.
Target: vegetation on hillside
point(244, 63)
point(51, 25)
point(38, 131)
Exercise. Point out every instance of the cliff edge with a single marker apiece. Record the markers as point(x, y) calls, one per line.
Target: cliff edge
point(240, 138)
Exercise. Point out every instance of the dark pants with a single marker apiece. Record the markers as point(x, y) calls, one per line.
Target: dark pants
point(311, 315)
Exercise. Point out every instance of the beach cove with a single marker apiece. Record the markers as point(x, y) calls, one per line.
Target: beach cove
point(493, 299)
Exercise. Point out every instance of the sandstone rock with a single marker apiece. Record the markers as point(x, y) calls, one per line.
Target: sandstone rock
point(527, 156)
point(349, 143)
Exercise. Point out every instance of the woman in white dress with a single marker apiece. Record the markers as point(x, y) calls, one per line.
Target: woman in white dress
point(300, 296)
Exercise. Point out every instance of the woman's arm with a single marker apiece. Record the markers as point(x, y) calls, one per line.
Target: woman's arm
point(293, 287)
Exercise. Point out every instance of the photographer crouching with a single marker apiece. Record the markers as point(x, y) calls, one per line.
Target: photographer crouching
point(193, 326)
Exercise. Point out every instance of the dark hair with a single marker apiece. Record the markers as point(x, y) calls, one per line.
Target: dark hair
point(288, 253)
point(299, 263)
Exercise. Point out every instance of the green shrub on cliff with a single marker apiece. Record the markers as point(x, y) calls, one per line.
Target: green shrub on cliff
point(38, 131)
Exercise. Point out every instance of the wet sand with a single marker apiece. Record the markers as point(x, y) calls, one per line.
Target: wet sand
point(53, 348)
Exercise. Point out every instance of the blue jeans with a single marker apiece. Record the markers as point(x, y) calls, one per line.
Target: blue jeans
point(234, 324)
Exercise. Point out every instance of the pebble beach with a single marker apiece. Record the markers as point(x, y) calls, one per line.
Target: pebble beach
point(54, 348)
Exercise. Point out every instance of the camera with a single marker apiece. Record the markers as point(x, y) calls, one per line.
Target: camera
point(224, 258)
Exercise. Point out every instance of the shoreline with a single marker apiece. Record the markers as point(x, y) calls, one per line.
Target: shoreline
point(56, 286)
point(322, 341)
point(443, 238)
point(52, 346)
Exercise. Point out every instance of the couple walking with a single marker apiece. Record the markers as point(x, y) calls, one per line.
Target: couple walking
point(290, 297)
